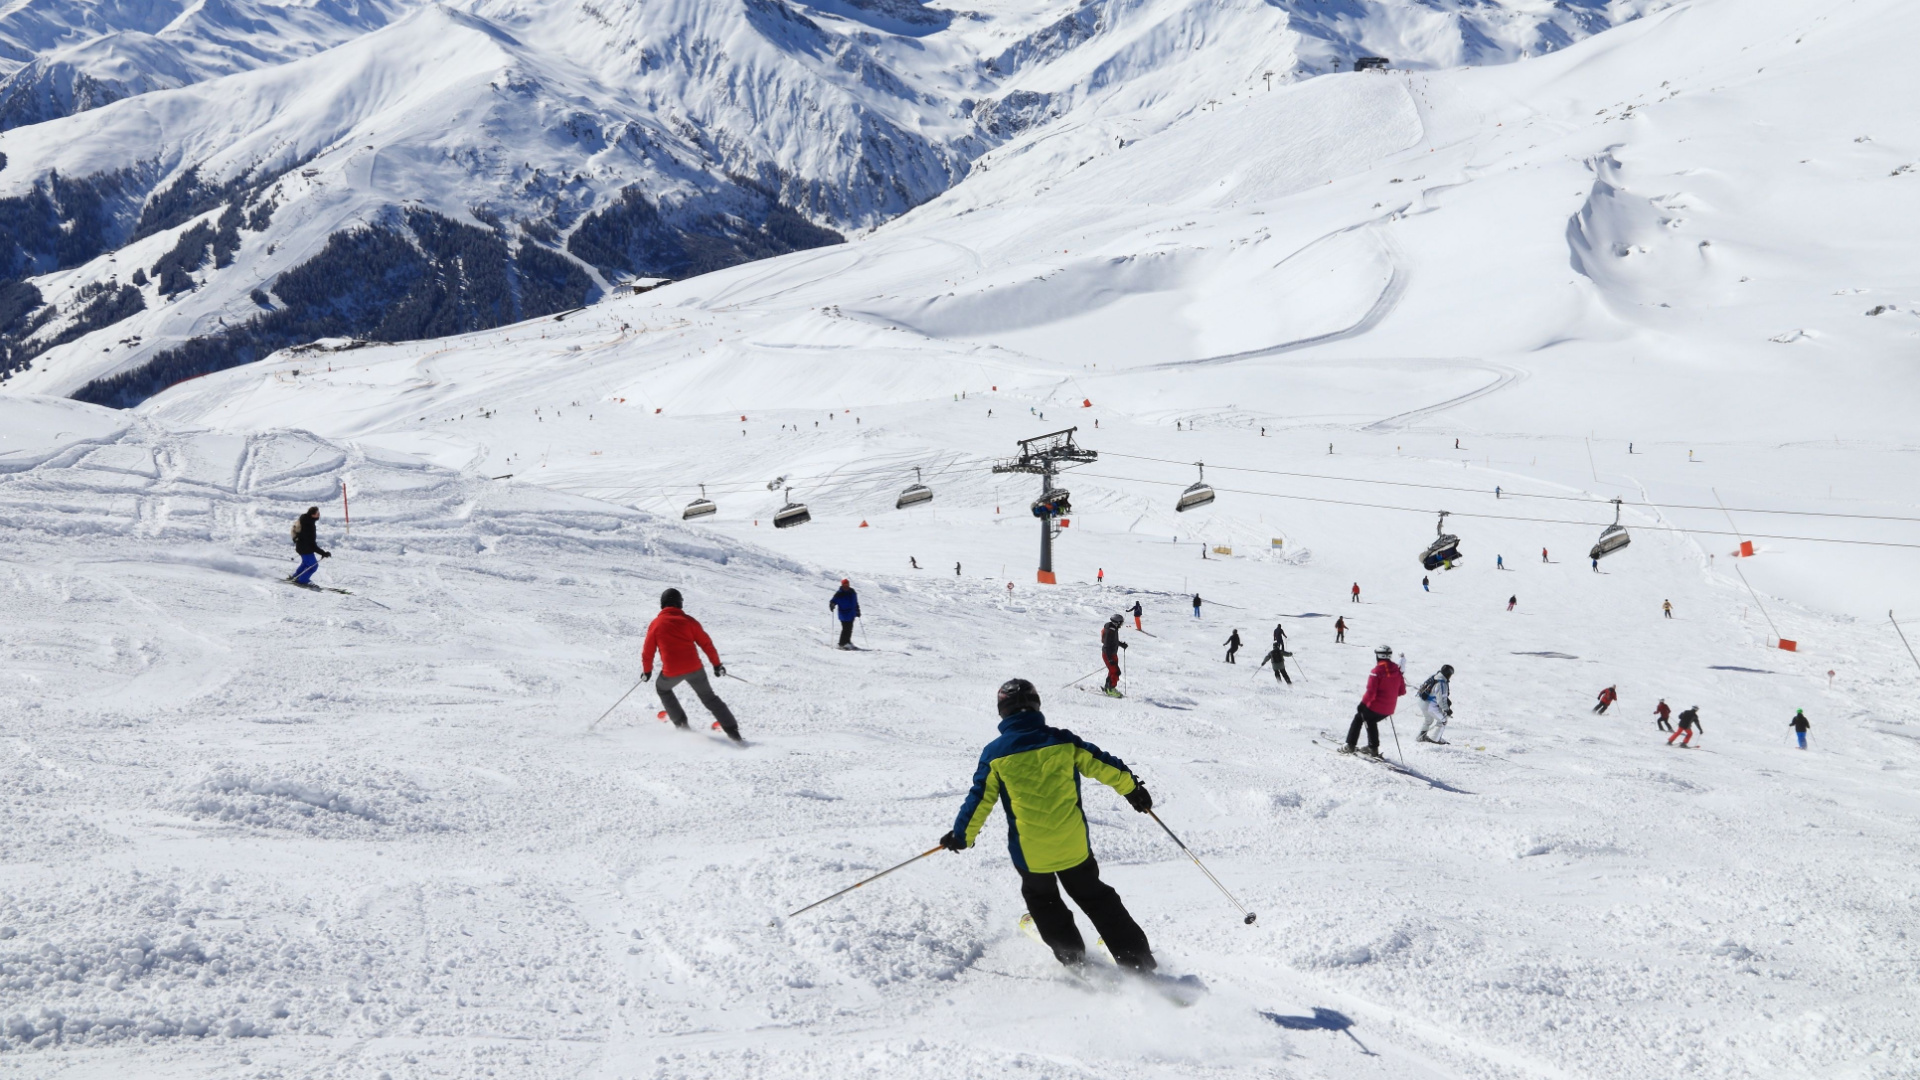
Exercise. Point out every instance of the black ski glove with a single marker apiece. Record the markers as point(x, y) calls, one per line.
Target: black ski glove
point(325, 554)
point(953, 842)
point(719, 669)
point(1123, 644)
point(1138, 798)
point(646, 676)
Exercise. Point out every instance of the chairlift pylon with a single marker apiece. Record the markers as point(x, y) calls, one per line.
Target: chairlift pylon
point(791, 514)
point(1612, 538)
point(915, 494)
point(1444, 551)
point(1197, 494)
point(700, 507)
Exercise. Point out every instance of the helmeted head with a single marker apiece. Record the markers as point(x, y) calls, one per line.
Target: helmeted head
point(1115, 621)
point(1446, 671)
point(1017, 695)
point(1384, 652)
point(845, 584)
point(313, 511)
point(670, 598)
point(1798, 712)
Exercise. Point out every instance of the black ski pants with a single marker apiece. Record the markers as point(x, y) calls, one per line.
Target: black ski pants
point(846, 633)
point(1280, 670)
point(701, 689)
point(1372, 721)
point(1230, 654)
point(1051, 916)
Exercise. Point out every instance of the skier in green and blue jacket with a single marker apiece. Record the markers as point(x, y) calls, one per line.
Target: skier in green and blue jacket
point(1034, 772)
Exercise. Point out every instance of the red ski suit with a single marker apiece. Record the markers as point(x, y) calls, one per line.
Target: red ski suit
point(1384, 688)
point(674, 634)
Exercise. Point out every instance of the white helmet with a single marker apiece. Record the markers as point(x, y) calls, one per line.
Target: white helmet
point(1384, 652)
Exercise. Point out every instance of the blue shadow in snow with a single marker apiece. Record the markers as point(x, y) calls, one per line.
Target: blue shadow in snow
point(1321, 1020)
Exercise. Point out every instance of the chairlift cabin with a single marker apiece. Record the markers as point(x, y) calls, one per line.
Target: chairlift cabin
point(776, 483)
point(791, 514)
point(1369, 63)
point(1198, 494)
point(700, 507)
point(1612, 538)
point(1053, 504)
point(1444, 551)
point(915, 494)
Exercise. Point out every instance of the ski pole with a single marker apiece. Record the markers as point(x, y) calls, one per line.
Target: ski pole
point(616, 704)
point(1203, 869)
point(1087, 676)
point(738, 679)
point(1903, 638)
point(1396, 742)
point(863, 881)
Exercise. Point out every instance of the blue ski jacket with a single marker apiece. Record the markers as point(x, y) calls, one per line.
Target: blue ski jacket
point(846, 602)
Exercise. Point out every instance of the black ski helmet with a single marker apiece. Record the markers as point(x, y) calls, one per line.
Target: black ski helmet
point(670, 598)
point(1115, 621)
point(1017, 695)
point(1447, 670)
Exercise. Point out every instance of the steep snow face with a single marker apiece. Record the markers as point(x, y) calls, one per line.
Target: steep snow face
point(579, 143)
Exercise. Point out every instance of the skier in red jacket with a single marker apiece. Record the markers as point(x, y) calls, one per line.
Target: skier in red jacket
point(1385, 686)
point(1607, 697)
point(679, 639)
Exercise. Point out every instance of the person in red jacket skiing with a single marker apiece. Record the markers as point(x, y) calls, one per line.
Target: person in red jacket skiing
point(1607, 697)
point(679, 639)
point(1385, 686)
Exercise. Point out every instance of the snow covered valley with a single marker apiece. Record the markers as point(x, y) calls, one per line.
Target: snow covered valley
point(253, 831)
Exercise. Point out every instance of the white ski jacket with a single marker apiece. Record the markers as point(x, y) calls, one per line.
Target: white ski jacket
point(1441, 695)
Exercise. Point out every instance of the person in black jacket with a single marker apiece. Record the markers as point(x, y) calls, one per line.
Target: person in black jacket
point(306, 542)
point(1233, 645)
point(1800, 724)
point(1689, 720)
point(1110, 646)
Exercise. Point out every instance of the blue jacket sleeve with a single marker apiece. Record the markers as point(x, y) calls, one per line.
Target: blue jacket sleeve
point(975, 795)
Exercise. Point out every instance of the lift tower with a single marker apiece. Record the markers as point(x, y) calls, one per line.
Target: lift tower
point(1044, 456)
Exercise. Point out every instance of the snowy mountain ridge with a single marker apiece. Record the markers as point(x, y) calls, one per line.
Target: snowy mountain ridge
point(571, 144)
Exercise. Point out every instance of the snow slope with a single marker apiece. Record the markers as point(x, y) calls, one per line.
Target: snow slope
point(262, 830)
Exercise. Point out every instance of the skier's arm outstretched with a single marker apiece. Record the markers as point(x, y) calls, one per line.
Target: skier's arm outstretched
point(1092, 761)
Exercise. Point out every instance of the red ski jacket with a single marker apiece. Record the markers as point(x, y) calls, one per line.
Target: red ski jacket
point(674, 634)
point(1384, 688)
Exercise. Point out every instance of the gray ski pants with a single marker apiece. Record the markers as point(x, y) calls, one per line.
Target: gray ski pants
point(701, 689)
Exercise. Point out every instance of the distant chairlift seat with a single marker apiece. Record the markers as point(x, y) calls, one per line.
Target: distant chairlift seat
point(700, 507)
point(1055, 503)
point(1198, 494)
point(1370, 63)
point(915, 494)
point(791, 514)
point(1444, 551)
point(1612, 538)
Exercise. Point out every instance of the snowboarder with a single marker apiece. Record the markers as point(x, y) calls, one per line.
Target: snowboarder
point(678, 638)
point(1666, 608)
point(1689, 720)
point(1110, 646)
point(846, 603)
point(1340, 630)
point(1800, 724)
point(306, 542)
point(1607, 697)
point(1385, 685)
point(1233, 645)
point(1436, 703)
point(1196, 605)
point(1035, 770)
point(1660, 714)
point(1512, 600)
point(1356, 592)
point(1137, 612)
point(1423, 584)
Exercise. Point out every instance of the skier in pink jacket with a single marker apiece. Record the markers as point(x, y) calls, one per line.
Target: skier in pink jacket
point(1385, 686)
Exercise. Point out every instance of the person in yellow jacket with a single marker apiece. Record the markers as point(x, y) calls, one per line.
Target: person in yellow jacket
point(1034, 771)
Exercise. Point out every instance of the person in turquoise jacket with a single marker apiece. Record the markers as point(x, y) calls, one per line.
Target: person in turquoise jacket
point(1034, 772)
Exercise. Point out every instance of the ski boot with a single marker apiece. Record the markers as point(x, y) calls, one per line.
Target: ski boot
point(1344, 750)
point(1371, 751)
point(1112, 692)
point(1422, 737)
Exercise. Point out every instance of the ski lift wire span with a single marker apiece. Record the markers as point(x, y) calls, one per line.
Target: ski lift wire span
point(1498, 517)
point(1507, 494)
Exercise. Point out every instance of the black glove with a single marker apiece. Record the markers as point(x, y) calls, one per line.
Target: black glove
point(1138, 798)
point(646, 676)
point(719, 669)
point(953, 842)
point(1123, 644)
point(325, 554)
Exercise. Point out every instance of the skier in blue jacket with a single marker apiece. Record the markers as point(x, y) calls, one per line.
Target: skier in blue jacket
point(846, 604)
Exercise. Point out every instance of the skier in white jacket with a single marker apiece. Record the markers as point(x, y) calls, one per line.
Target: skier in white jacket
point(1436, 703)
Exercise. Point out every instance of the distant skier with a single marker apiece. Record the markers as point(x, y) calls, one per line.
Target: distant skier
point(1423, 584)
point(1340, 630)
point(678, 638)
point(1137, 612)
point(1436, 704)
point(1689, 720)
point(1035, 771)
point(956, 569)
point(1100, 578)
point(1660, 714)
point(306, 542)
point(1596, 565)
point(1800, 724)
point(1385, 686)
point(1666, 608)
point(1196, 605)
point(1607, 697)
point(1356, 592)
point(1499, 562)
point(1277, 656)
point(1543, 554)
point(1233, 645)
point(1110, 646)
point(846, 604)
point(1512, 600)
point(915, 562)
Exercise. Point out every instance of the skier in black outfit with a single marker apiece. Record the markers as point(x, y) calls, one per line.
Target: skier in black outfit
point(1800, 724)
point(1278, 657)
point(1110, 646)
point(1689, 720)
point(306, 543)
point(1196, 605)
point(1233, 645)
